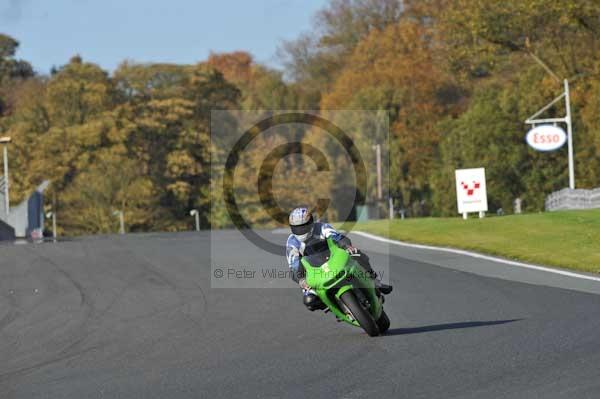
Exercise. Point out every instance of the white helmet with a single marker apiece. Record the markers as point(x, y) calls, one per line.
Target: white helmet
point(301, 223)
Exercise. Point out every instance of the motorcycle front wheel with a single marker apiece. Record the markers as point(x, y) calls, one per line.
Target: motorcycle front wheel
point(383, 322)
point(360, 314)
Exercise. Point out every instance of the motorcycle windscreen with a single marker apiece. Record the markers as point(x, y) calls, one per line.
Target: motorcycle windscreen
point(317, 252)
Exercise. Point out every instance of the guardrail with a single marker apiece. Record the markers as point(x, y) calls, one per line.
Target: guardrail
point(7, 233)
point(573, 199)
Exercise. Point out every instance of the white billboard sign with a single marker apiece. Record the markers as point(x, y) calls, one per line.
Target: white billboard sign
point(471, 195)
point(546, 138)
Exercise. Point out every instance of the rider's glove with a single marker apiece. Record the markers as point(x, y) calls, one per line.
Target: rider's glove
point(352, 251)
point(303, 284)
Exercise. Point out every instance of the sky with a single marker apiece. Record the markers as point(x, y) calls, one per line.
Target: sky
point(108, 32)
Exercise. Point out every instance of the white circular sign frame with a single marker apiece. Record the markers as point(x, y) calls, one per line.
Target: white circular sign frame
point(546, 138)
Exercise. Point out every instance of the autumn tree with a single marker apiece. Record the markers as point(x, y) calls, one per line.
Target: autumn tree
point(396, 70)
point(168, 116)
point(317, 57)
point(12, 72)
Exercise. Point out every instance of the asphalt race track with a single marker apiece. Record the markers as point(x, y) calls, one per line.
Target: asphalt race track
point(136, 317)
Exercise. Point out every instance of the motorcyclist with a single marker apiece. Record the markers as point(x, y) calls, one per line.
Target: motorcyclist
point(304, 228)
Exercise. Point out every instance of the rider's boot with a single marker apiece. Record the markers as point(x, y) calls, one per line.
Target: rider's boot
point(312, 301)
point(383, 288)
point(363, 260)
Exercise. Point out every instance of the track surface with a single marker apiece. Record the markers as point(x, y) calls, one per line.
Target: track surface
point(135, 317)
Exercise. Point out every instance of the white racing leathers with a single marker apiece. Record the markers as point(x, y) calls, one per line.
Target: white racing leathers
point(295, 248)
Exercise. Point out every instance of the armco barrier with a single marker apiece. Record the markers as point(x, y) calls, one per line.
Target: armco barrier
point(7, 233)
point(573, 199)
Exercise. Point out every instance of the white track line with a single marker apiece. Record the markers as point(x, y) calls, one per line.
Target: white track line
point(476, 255)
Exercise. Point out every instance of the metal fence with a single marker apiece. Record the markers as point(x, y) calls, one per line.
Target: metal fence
point(6, 231)
point(573, 199)
point(26, 218)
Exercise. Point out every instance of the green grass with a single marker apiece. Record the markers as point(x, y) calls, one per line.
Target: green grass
point(569, 239)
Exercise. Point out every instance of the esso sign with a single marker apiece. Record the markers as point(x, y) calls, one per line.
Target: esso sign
point(546, 138)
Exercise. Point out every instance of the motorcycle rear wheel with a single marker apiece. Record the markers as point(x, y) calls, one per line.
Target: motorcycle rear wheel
point(360, 314)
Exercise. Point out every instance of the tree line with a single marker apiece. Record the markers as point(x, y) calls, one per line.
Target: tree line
point(457, 78)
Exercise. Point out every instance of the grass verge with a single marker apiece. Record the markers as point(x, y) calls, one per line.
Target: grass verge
point(569, 239)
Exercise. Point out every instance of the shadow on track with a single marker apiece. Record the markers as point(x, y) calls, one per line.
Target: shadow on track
point(448, 326)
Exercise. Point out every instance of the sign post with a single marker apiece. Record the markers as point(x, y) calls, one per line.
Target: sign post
point(5, 141)
point(471, 193)
point(119, 213)
point(194, 212)
point(570, 136)
point(545, 123)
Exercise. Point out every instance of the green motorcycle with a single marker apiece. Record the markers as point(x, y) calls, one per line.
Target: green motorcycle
point(344, 286)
